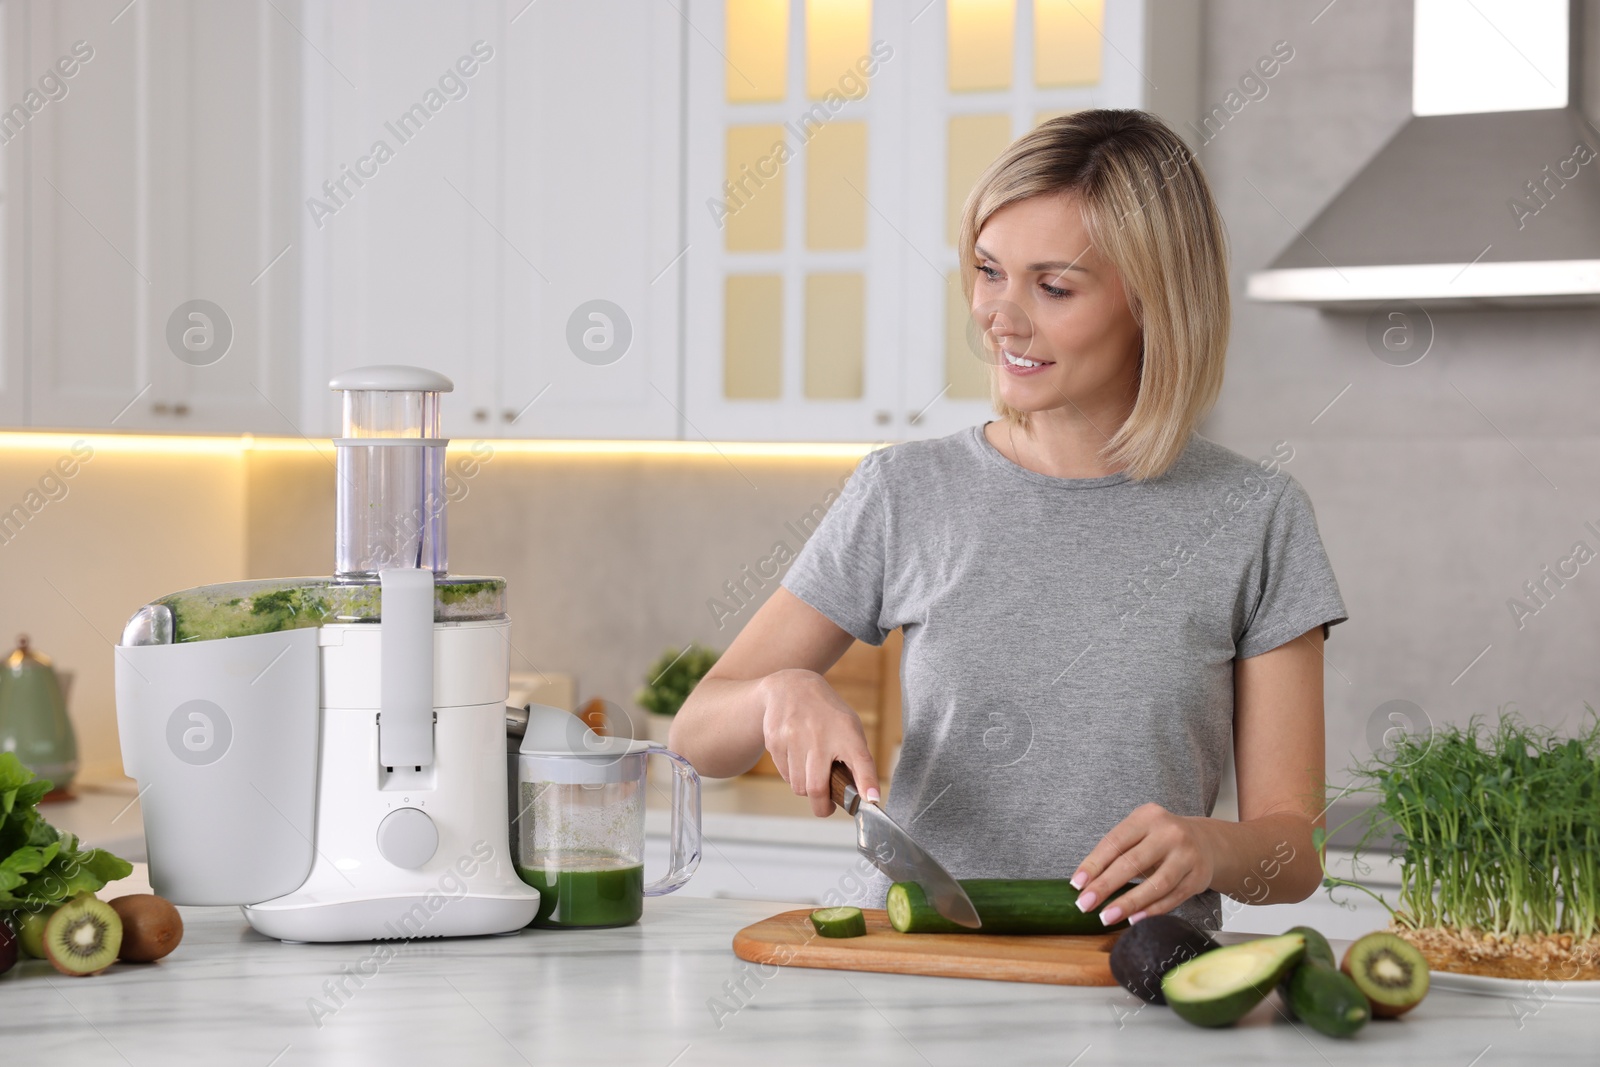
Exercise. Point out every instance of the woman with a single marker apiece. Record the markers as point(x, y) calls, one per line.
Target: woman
point(1096, 601)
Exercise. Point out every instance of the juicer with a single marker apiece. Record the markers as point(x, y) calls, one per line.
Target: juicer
point(328, 753)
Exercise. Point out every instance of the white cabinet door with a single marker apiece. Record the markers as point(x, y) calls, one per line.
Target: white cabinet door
point(158, 194)
point(402, 197)
point(85, 280)
point(466, 236)
point(14, 82)
point(592, 256)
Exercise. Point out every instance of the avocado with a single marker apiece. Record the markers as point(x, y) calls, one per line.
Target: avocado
point(1220, 987)
point(1147, 951)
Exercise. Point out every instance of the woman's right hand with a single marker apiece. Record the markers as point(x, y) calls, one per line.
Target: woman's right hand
point(806, 728)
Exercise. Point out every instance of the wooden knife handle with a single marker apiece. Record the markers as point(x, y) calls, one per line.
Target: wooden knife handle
point(842, 788)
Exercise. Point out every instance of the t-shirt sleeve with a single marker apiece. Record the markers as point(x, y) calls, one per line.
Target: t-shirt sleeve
point(1297, 588)
point(840, 569)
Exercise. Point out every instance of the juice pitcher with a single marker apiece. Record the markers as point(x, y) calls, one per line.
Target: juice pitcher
point(577, 821)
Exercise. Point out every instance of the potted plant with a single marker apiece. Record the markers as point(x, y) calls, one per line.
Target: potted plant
point(668, 683)
point(1497, 832)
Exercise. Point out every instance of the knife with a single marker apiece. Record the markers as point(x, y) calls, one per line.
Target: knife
point(891, 850)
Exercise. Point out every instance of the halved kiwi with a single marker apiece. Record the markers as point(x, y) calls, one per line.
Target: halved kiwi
point(83, 936)
point(1389, 971)
point(151, 927)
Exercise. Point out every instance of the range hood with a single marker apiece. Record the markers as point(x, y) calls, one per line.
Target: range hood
point(1490, 194)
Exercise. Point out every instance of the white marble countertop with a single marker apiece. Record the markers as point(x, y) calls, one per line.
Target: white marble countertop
point(649, 994)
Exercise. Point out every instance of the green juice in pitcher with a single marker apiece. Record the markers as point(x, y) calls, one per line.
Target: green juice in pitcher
point(587, 890)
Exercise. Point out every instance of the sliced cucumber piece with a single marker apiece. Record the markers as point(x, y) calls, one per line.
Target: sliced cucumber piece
point(839, 922)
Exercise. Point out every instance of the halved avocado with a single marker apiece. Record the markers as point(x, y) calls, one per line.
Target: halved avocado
point(1220, 987)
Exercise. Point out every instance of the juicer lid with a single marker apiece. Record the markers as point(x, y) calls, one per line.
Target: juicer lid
point(391, 378)
point(555, 732)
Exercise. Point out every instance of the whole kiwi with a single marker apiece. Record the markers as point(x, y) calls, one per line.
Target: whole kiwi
point(151, 927)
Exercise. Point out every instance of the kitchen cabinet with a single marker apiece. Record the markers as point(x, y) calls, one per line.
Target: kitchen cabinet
point(229, 153)
point(398, 234)
point(624, 222)
point(548, 185)
point(829, 153)
point(134, 193)
point(592, 152)
point(13, 227)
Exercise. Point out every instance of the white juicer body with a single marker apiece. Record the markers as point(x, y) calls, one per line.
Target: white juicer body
point(403, 853)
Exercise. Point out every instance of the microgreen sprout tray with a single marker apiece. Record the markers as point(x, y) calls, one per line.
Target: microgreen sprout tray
point(1497, 831)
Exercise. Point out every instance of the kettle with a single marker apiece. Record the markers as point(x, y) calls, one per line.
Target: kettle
point(33, 717)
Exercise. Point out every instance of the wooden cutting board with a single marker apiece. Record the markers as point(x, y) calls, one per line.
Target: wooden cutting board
point(790, 940)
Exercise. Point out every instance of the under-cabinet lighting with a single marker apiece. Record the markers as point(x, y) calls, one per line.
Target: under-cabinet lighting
point(176, 444)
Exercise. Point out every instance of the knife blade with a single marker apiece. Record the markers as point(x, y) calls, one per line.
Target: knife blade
point(894, 852)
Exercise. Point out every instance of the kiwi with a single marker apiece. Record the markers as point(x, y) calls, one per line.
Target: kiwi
point(151, 927)
point(83, 936)
point(1389, 971)
point(30, 931)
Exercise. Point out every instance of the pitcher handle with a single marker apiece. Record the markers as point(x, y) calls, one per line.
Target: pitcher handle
point(684, 856)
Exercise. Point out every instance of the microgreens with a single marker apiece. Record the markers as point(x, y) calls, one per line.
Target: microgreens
point(1496, 829)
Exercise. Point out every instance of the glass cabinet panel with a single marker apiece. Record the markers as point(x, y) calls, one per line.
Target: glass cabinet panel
point(973, 143)
point(755, 188)
point(836, 186)
point(835, 335)
point(978, 44)
point(757, 49)
point(838, 35)
point(1066, 41)
point(752, 337)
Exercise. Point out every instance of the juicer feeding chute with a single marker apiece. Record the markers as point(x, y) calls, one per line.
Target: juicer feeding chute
point(391, 491)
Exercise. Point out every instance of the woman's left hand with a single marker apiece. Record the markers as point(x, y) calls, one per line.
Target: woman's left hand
point(1170, 852)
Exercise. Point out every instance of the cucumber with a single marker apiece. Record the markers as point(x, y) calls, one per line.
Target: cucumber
point(1005, 905)
point(1327, 999)
point(1317, 947)
point(839, 922)
point(1220, 987)
point(1318, 950)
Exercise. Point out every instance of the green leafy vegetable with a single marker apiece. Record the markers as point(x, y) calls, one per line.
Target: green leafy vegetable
point(39, 865)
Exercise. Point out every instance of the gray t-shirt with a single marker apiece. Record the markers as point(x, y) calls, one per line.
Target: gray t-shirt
point(1069, 642)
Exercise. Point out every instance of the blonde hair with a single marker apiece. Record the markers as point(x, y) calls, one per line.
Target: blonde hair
point(1149, 212)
